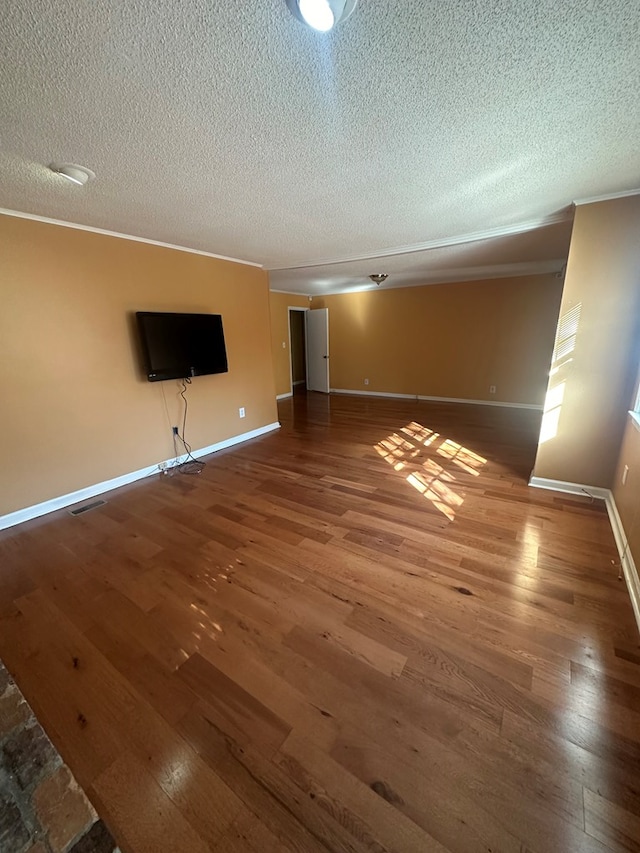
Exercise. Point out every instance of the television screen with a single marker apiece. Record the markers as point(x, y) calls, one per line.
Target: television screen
point(175, 346)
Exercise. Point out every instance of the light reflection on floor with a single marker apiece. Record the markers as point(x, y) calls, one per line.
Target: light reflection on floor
point(210, 628)
point(434, 482)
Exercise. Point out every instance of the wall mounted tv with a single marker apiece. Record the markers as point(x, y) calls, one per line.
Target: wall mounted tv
point(175, 346)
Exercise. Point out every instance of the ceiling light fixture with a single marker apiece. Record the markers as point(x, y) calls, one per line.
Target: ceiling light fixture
point(76, 174)
point(379, 277)
point(321, 15)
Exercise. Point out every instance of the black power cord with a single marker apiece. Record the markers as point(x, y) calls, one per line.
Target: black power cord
point(191, 465)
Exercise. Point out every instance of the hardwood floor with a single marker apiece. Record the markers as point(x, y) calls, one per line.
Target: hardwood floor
point(364, 632)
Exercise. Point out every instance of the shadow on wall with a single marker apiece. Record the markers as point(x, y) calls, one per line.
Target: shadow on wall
point(561, 367)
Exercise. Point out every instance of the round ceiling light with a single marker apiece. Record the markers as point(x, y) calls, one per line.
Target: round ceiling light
point(76, 174)
point(321, 15)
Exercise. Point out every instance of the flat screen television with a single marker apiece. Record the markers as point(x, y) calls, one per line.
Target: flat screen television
point(175, 346)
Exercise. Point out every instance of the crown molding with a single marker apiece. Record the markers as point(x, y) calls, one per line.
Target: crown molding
point(503, 231)
point(607, 197)
point(455, 276)
point(291, 293)
point(105, 233)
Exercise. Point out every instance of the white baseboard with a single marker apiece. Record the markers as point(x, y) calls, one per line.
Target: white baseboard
point(482, 402)
point(421, 397)
point(629, 569)
point(373, 394)
point(284, 396)
point(570, 488)
point(63, 501)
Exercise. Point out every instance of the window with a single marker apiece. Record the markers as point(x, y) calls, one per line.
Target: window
point(635, 412)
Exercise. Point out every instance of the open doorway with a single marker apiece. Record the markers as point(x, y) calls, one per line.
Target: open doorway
point(297, 350)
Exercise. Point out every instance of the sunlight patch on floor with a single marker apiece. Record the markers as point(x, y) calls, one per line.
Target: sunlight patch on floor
point(428, 477)
point(209, 626)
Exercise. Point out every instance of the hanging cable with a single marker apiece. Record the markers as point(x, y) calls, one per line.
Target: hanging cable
point(191, 465)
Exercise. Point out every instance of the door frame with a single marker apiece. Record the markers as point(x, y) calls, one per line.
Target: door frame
point(289, 310)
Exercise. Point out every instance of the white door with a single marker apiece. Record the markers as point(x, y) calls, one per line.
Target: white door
point(317, 336)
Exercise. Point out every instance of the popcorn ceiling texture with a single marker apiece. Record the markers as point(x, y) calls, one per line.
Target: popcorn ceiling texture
point(231, 128)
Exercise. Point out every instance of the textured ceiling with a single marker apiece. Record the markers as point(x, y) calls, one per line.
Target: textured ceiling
point(230, 128)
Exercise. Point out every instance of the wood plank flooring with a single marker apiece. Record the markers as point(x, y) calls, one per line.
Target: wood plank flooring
point(364, 632)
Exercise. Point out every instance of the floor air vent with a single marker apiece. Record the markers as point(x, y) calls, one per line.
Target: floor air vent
point(86, 507)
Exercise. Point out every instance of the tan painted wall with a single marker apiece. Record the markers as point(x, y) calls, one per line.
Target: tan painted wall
point(447, 340)
point(596, 377)
point(627, 496)
point(75, 408)
point(279, 305)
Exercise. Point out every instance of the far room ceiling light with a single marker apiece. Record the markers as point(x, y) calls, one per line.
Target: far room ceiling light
point(75, 174)
point(379, 277)
point(321, 15)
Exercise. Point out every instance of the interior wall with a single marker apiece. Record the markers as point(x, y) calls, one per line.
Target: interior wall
point(279, 306)
point(627, 495)
point(77, 409)
point(447, 340)
point(298, 359)
point(597, 353)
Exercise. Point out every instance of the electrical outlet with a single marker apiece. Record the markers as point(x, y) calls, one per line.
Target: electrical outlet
point(492, 389)
point(241, 411)
point(366, 381)
point(284, 344)
point(625, 472)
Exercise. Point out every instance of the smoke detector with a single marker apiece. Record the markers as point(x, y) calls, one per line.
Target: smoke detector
point(75, 174)
point(321, 15)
